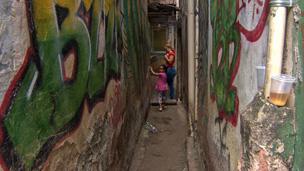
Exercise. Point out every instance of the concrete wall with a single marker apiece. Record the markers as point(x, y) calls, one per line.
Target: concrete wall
point(74, 76)
point(298, 50)
point(203, 82)
point(14, 36)
point(182, 52)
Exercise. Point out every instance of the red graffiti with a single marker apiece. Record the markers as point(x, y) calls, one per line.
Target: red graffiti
point(258, 6)
point(234, 118)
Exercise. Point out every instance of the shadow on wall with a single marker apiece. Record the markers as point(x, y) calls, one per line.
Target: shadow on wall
point(71, 81)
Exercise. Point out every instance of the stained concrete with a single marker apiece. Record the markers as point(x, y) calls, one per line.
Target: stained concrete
point(268, 136)
point(166, 149)
point(14, 40)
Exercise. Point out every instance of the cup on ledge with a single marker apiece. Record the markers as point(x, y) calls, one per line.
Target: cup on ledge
point(281, 86)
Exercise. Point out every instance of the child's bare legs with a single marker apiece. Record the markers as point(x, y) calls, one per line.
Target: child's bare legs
point(160, 101)
point(163, 99)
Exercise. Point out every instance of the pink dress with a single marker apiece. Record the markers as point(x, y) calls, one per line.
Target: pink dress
point(161, 84)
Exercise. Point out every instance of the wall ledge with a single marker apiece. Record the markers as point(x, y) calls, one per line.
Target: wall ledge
point(268, 136)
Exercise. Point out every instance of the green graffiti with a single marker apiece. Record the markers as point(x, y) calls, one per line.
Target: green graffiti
point(35, 116)
point(45, 102)
point(109, 64)
point(225, 58)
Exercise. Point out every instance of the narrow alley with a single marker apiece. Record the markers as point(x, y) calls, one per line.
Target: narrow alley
point(165, 148)
point(151, 85)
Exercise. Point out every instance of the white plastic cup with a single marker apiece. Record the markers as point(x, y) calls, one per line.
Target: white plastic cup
point(260, 76)
point(280, 89)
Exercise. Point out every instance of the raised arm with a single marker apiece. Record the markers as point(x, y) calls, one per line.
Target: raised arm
point(169, 58)
point(154, 73)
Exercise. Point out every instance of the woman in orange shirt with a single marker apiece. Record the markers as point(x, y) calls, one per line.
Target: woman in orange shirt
point(171, 71)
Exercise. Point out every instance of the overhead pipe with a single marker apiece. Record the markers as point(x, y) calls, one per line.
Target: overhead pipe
point(276, 39)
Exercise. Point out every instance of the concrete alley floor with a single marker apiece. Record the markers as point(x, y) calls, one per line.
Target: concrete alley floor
point(165, 150)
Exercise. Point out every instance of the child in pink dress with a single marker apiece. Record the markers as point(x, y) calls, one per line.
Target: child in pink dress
point(161, 85)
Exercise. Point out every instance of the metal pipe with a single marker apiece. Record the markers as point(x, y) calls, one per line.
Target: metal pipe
point(283, 3)
point(277, 21)
point(277, 24)
point(191, 63)
point(191, 55)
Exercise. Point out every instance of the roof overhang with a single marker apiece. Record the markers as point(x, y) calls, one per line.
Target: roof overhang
point(159, 7)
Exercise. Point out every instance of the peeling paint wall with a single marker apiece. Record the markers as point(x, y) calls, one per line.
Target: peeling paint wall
point(75, 83)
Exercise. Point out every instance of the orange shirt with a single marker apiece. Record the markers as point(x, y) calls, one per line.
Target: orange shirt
point(170, 54)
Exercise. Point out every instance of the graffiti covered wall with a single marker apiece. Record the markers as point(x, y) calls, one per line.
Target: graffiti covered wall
point(68, 97)
point(237, 42)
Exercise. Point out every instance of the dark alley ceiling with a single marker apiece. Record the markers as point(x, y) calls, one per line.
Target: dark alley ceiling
point(158, 7)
